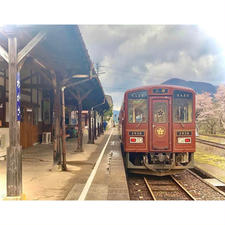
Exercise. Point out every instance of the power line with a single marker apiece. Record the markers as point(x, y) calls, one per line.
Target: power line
point(124, 71)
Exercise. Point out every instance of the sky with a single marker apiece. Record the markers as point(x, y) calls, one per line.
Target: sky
point(136, 55)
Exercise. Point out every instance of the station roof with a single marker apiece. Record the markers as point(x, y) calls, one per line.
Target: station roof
point(62, 50)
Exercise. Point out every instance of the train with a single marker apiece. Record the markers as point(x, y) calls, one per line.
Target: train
point(157, 129)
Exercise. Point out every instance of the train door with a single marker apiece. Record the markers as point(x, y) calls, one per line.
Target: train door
point(160, 126)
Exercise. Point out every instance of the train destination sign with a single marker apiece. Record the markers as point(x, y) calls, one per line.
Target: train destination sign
point(160, 91)
point(182, 94)
point(137, 133)
point(138, 95)
point(184, 133)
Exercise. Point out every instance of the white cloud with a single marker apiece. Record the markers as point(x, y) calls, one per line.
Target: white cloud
point(143, 55)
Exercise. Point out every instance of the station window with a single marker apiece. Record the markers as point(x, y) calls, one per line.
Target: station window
point(137, 107)
point(182, 107)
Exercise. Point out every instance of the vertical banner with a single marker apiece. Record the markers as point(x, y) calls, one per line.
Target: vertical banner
point(18, 96)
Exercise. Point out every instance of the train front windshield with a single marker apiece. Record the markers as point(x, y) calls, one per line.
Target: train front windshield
point(138, 107)
point(182, 107)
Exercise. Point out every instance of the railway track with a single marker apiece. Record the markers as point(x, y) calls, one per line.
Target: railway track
point(214, 144)
point(184, 186)
point(158, 188)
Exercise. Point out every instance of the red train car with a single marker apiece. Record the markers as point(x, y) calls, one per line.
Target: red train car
point(157, 129)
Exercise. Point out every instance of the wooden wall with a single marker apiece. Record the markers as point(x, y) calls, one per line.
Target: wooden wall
point(29, 133)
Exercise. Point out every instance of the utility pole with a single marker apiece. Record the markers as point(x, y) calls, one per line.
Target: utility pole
point(97, 68)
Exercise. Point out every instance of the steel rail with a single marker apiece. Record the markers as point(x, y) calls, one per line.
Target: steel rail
point(183, 188)
point(149, 188)
point(213, 144)
point(207, 183)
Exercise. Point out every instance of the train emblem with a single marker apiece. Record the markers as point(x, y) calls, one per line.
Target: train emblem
point(160, 131)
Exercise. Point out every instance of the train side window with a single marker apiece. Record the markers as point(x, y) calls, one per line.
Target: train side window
point(182, 107)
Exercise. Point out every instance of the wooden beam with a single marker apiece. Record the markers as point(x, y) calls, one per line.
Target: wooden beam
point(45, 76)
point(30, 45)
point(28, 104)
point(4, 76)
point(85, 96)
point(39, 86)
point(76, 83)
point(28, 77)
point(40, 64)
point(43, 70)
point(24, 92)
point(80, 98)
point(4, 54)
point(74, 95)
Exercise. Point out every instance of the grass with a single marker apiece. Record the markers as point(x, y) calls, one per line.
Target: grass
point(210, 159)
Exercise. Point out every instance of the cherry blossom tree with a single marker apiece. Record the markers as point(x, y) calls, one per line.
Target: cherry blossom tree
point(206, 113)
point(220, 104)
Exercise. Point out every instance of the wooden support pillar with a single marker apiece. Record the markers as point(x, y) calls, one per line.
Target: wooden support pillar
point(102, 130)
point(4, 100)
point(89, 128)
point(85, 122)
point(98, 127)
point(37, 93)
point(56, 125)
point(92, 127)
point(79, 99)
point(80, 133)
point(31, 89)
point(14, 154)
point(63, 132)
point(95, 136)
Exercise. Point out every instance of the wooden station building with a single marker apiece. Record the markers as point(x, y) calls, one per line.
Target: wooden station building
point(43, 70)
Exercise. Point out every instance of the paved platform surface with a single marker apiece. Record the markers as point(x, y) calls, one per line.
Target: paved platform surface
point(42, 181)
point(212, 170)
point(109, 182)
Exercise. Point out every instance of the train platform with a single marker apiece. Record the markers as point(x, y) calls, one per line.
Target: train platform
point(210, 161)
point(212, 171)
point(108, 179)
point(42, 181)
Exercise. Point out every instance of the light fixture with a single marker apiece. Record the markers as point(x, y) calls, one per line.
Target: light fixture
point(80, 76)
point(29, 110)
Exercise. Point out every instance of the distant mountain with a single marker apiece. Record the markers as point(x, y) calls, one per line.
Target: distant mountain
point(115, 115)
point(199, 87)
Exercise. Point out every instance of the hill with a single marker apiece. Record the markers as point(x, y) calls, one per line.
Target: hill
point(199, 87)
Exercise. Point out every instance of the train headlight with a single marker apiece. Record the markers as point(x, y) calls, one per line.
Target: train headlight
point(136, 140)
point(184, 140)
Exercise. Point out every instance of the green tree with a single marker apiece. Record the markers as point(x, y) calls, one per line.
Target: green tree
point(108, 114)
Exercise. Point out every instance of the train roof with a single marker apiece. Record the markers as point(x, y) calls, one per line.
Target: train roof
point(171, 87)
